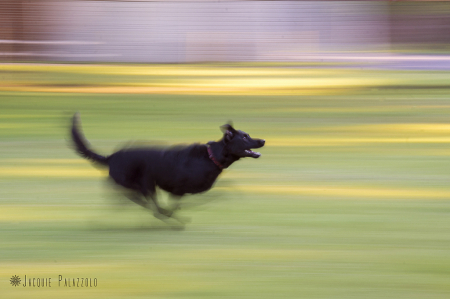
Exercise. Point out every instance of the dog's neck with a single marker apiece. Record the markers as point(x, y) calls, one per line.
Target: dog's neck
point(218, 153)
point(212, 158)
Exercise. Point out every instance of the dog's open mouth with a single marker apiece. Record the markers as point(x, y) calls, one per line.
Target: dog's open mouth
point(252, 154)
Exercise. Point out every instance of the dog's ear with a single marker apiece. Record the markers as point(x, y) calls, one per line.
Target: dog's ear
point(228, 131)
point(228, 127)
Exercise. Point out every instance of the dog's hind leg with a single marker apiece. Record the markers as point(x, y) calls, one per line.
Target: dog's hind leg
point(142, 192)
point(138, 199)
point(134, 191)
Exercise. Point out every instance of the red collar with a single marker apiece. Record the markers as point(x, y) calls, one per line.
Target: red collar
point(212, 157)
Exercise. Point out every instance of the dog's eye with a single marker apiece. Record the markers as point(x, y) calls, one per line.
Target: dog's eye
point(245, 138)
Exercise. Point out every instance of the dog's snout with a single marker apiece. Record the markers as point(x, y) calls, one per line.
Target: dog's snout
point(262, 141)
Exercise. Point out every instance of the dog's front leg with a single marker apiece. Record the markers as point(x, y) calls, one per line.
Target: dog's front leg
point(153, 204)
point(163, 214)
point(148, 189)
point(161, 211)
point(175, 200)
point(174, 205)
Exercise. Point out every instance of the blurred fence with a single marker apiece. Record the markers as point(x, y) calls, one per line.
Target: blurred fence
point(197, 31)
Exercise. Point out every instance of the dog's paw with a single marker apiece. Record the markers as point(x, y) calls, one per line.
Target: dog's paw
point(165, 212)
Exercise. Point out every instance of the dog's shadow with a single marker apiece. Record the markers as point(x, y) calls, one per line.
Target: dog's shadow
point(102, 227)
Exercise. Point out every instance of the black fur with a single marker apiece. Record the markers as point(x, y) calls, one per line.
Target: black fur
point(178, 170)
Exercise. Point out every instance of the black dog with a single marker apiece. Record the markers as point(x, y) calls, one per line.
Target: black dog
point(177, 170)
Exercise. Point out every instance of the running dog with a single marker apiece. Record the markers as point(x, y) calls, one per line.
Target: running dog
point(178, 170)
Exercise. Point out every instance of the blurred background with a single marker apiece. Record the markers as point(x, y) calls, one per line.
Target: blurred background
point(204, 31)
point(350, 198)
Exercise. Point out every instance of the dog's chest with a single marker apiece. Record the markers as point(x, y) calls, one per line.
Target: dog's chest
point(199, 180)
point(202, 181)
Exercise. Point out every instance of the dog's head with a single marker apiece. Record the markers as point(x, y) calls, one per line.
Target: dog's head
point(239, 143)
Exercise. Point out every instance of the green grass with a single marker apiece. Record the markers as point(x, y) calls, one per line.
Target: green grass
point(350, 198)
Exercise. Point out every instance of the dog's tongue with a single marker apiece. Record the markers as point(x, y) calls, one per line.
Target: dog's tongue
point(254, 154)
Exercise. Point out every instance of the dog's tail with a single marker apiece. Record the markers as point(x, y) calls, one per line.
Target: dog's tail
point(81, 145)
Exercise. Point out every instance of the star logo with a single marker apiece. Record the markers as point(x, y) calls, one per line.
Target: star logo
point(15, 280)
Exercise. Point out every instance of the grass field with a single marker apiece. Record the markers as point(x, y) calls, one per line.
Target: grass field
point(350, 198)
